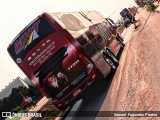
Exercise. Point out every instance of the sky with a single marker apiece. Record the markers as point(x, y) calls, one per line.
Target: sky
point(16, 14)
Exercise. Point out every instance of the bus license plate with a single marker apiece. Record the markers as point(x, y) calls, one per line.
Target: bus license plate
point(76, 92)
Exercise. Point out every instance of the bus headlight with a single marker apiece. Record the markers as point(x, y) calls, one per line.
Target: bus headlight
point(90, 66)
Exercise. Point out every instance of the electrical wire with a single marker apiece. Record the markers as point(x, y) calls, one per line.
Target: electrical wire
point(117, 8)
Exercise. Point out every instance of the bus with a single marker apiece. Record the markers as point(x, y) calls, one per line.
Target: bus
point(63, 53)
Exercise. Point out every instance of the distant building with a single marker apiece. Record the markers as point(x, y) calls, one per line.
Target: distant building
point(14, 84)
point(27, 81)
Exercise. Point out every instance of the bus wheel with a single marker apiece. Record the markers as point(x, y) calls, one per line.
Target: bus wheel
point(121, 43)
point(110, 63)
point(120, 40)
point(113, 57)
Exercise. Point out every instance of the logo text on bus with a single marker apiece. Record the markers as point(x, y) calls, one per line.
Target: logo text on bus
point(74, 64)
point(26, 38)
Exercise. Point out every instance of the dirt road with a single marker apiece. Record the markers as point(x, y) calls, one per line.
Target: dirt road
point(136, 84)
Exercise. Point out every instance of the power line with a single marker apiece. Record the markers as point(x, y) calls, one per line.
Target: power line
point(117, 8)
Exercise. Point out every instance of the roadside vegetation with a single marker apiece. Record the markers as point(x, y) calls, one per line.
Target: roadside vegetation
point(148, 4)
point(151, 7)
point(14, 102)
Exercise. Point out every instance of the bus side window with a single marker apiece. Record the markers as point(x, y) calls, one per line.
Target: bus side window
point(82, 40)
point(86, 41)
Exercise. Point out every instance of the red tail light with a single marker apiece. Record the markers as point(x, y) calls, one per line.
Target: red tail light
point(93, 76)
point(60, 105)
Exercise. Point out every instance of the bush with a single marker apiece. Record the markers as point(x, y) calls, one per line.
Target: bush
point(151, 7)
point(18, 108)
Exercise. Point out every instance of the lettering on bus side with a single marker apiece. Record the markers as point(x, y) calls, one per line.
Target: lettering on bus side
point(23, 39)
point(74, 64)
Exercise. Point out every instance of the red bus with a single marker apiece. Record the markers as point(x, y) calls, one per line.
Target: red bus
point(63, 53)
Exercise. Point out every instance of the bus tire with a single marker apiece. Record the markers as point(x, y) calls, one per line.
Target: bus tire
point(120, 40)
point(121, 43)
point(112, 56)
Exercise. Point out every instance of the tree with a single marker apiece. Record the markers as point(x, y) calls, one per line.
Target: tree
point(16, 97)
point(141, 3)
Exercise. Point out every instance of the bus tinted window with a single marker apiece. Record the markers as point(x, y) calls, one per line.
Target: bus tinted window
point(30, 37)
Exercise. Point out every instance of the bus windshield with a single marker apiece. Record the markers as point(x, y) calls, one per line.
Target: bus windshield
point(33, 34)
